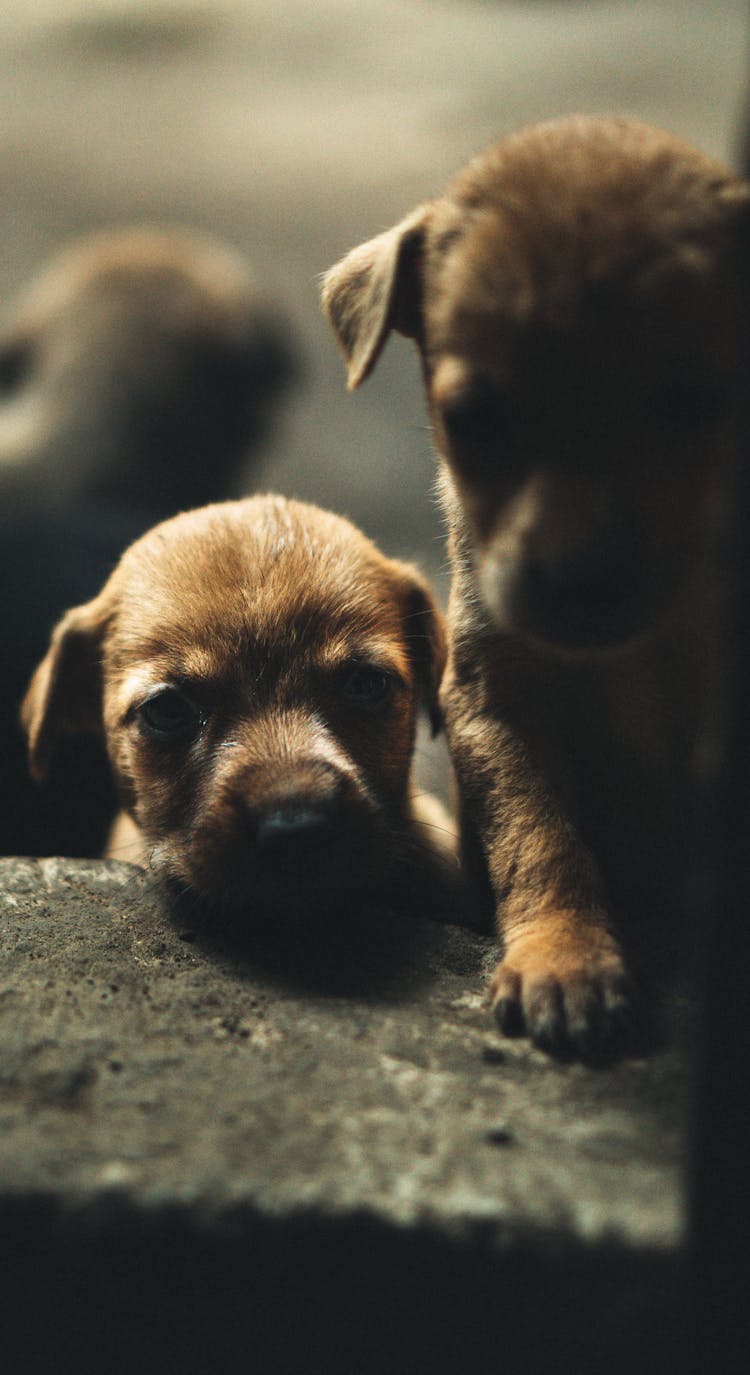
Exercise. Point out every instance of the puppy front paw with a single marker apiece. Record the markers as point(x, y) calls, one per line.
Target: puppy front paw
point(564, 984)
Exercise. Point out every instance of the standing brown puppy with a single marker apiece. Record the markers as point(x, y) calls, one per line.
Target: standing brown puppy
point(573, 300)
point(256, 669)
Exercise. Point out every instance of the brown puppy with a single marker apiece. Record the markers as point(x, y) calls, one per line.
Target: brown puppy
point(256, 668)
point(573, 300)
point(128, 359)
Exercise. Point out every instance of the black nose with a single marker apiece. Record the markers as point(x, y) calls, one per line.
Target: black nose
point(292, 824)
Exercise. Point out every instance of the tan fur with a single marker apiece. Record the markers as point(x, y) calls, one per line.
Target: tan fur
point(573, 299)
point(261, 619)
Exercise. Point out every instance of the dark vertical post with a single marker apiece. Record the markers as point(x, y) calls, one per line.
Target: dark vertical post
point(719, 1193)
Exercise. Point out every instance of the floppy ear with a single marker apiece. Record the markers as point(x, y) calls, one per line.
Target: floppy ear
point(65, 692)
point(427, 640)
point(374, 289)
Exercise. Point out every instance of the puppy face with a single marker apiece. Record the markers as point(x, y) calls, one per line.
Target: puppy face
point(261, 669)
point(573, 299)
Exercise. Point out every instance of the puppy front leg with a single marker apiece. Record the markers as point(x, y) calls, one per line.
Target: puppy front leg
point(562, 979)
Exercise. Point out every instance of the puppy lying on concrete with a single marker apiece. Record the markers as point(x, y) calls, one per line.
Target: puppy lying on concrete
point(572, 297)
point(256, 668)
point(132, 356)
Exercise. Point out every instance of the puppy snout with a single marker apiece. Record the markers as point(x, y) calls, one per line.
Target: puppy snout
point(593, 578)
point(583, 597)
point(294, 824)
point(301, 840)
point(293, 815)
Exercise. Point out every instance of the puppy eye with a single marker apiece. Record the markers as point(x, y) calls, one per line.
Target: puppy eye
point(168, 714)
point(475, 416)
point(368, 685)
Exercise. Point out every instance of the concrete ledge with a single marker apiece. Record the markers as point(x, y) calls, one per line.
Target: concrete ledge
point(210, 1161)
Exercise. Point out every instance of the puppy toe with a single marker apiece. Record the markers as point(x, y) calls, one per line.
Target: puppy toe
point(586, 1018)
point(600, 1015)
point(505, 994)
point(544, 1009)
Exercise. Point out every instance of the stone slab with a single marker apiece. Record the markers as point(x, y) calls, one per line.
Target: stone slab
point(213, 1157)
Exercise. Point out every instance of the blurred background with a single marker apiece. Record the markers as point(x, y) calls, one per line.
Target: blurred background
point(292, 131)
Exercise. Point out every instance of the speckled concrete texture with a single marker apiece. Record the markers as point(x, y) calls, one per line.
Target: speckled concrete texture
point(161, 1091)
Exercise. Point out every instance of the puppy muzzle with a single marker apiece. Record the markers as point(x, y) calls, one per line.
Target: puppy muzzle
point(288, 837)
point(585, 598)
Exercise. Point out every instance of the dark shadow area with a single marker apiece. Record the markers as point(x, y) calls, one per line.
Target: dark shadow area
point(719, 1187)
point(50, 561)
point(364, 951)
point(163, 1291)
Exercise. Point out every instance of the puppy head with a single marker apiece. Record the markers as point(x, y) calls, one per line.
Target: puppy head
point(256, 668)
point(573, 298)
point(128, 357)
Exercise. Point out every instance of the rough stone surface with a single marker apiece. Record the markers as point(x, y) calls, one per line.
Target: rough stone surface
point(205, 1153)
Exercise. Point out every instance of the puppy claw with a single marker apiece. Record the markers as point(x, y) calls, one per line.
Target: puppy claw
point(509, 1017)
point(550, 1037)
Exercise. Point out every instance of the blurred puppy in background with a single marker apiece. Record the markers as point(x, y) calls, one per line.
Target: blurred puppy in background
point(256, 669)
point(573, 296)
point(138, 372)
